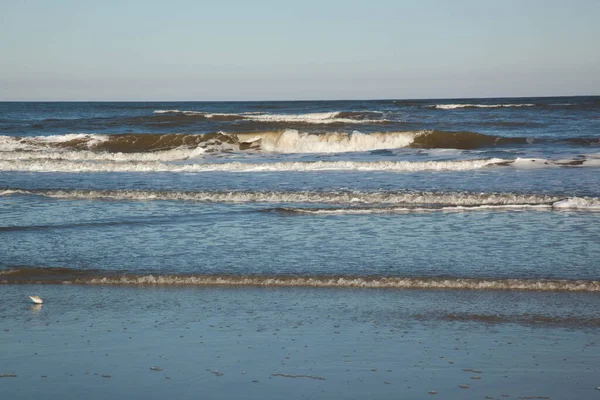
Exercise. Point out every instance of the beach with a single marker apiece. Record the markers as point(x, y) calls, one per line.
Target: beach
point(258, 342)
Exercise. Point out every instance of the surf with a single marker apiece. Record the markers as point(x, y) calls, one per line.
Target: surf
point(95, 277)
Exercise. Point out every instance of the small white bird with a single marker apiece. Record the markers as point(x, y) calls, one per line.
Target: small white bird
point(36, 299)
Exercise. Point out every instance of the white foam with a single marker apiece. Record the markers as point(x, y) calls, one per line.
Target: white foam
point(411, 202)
point(592, 162)
point(41, 143)
point(351, 282)
point(388, 210)
point(536, 163)
point(11, 192)
point(455, 106)
point(332, 117)
point(182, 153)
point(46, 165)
point(312, 118)
point(455, 199)
point(579, 203)
point(167, 111)
point(179, 112)
point(291, 141)
point(69, 137)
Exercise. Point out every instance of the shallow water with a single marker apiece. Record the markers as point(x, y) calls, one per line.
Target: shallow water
point(297, 342)
point(352, 237)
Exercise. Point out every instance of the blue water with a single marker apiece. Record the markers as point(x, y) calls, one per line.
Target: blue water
point(480, 189)
point(346, 249)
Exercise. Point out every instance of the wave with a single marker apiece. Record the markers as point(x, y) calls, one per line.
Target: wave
point(167, 147)
point(291, 141)
point(87, 146)
point(463, 140)
point(25, 275)
point(90, 156)
point(391, 210)
point(332, 117)
point(181, 146)
point(341, 197)
point(573, 203)
point(148, 166)
point(77, 141)
point(68, 166)
point(456, 106)
point(119, 143)
point(378, 202)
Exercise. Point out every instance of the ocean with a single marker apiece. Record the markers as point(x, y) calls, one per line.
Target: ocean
point(427, 238)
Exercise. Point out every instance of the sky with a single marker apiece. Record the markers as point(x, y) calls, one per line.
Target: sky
point(300, 50)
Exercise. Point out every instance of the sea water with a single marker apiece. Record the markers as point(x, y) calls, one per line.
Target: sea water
point(479, 216)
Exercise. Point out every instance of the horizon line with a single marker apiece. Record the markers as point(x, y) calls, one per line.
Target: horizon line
point(297, 100)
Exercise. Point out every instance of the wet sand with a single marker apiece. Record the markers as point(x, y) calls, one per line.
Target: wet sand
point(255, 343)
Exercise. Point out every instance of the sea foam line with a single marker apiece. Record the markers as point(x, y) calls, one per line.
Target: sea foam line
point(384, 201)
point(342, 197)
point(127, 166)
point(102, 165)
point(51, 275)
point(573, 203)
point(90, 156)
point(390, 210)
point(349, 282)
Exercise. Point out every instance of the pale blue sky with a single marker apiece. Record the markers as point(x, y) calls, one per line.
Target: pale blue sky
point(306, 49)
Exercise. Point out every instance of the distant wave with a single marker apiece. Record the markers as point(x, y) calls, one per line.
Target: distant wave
point(370, 202)
point(455, 106)
point(333, 117)
point(72, 276)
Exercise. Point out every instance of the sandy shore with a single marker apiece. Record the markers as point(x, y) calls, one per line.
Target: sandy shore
point(255, 343)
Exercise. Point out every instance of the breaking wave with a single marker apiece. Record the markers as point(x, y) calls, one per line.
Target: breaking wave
point(333, 117)
point(291, 141)
point(128, 144)
point(166, 147)
point(455, 106)
point(86, 277)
